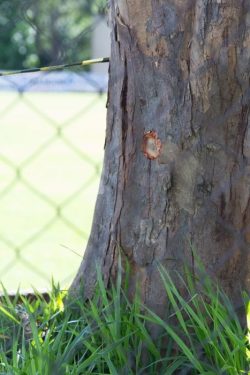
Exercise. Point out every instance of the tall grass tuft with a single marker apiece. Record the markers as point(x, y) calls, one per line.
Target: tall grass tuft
point(200, 334)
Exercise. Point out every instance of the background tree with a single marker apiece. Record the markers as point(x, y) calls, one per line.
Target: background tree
point(177, 151)
point(44, 32)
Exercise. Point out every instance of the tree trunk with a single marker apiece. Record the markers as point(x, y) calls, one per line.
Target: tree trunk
point(177, 151)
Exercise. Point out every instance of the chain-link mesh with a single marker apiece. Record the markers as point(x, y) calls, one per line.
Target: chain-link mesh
point(51, 142)
point(51, 146)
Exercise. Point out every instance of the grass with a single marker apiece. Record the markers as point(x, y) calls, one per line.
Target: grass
point(26, 123)
point(200, 334)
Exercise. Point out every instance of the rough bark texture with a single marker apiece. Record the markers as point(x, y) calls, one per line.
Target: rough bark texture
point(180, 69)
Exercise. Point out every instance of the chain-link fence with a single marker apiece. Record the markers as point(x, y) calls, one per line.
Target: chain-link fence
point(51, 146)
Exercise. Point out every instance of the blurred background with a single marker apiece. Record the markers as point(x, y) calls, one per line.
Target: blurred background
point(52, 128)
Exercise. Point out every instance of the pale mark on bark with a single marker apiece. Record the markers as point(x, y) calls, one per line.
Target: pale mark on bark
point(169, 152)
point(246, 147)
point(185, 172)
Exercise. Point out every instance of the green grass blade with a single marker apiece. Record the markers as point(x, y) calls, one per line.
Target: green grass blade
point(8, 314)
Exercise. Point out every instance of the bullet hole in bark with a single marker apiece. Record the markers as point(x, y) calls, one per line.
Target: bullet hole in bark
point(151, 145)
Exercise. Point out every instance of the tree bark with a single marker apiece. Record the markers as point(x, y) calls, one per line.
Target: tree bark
point(177, 152)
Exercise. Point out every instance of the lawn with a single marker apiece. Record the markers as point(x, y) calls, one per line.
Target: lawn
point(51, 150)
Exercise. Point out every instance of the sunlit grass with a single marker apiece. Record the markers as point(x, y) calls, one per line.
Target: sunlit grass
point(199, 334)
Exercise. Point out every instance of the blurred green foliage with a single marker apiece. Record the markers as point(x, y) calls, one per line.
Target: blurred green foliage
point(44, 32)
